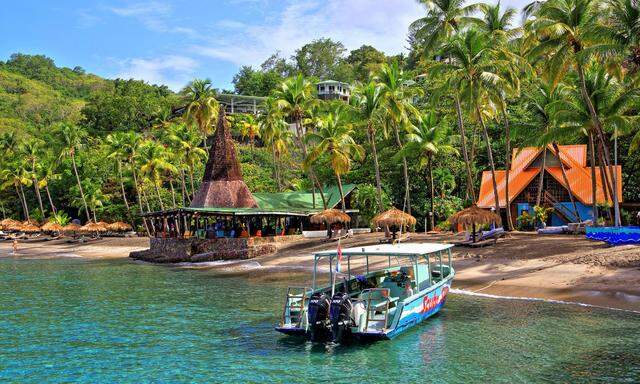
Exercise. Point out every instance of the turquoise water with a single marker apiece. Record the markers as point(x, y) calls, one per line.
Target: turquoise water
point(73, 320)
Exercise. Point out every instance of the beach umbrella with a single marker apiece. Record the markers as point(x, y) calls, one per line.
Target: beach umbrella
point(119, 226)
point(330, 216)
point(13, 226)
point(6, 223)
point(103, 223)
point(52, 227)
point(93, 228)
point(394, 218)
point(71, 228)
point(473, 216)
point(29, 228)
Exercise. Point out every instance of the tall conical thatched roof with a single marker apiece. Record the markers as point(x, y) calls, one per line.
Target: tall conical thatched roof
point(330, 216)
point(474, 215)
point(222, 184)
point(394, 218)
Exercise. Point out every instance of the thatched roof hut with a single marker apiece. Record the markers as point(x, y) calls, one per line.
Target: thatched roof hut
point(52, 227)
point(222, 185)
point(473, 216)
point(29, 228)
point(119, 227)
point(330, 216)
point(93, 228)
point(71, 228)
point(394, 218)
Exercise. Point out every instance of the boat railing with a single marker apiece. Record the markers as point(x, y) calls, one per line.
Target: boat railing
point(295, 306)
point(377, 309)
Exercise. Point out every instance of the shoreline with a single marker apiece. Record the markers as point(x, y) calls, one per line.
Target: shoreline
point(562, 268)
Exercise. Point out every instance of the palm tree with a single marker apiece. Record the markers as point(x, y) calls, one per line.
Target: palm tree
point(49, 174)
point(72, 141)
point(444, 19)
point(427, 139)
point(184, 140)
point(15, 175)
point(130, 146)
point(368, 99)
point(31, 152)
point(624, 17)
point(294, 97)
point(202, 107)
point(155, 164)
point(115, 144)
point(475, 71)
point(334, 139)
point(397, 92)
point(569, 33)
point(276, 133)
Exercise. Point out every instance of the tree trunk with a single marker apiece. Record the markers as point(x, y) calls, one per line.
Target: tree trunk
point(193, 189)
point(541, 179)
point(183, 188)
point(24, 201)
point(95, 219)
point(37, 190)
point(432, 215)
point(135, 182)
point(84, 200)
point(405, 170)
point(603, 142)
point(376, 165)
point(124, 193)
point(463, 142)
point(344, 208)
point(25, 210)
point(491, 163)
point(53, 207)
point(594, 185)
point(566, 181)
point(4, 214)
point(173, 194)
point(276, 172)
point(155, 185)
point(507, 140)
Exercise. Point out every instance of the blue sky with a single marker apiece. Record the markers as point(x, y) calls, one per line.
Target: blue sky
point(172, 41)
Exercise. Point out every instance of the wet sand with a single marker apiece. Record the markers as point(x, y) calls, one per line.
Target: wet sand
point(558, 267)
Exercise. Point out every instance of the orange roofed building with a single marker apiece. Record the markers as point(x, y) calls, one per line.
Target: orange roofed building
point(524, 179)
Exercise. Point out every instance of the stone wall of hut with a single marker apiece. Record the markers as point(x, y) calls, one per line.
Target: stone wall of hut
point(174, 250)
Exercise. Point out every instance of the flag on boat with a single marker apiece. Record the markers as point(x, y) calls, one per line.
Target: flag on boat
point(339, 257)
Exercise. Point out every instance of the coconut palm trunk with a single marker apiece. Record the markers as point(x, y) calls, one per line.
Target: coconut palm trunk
point(53, 207)
point(38, 196)
point(23, 201)
point(139, 198)
point(491, 163)
point(603, 142)
point(183, 188)
point(344, 207)
point(173, 193)
point(312, 173)
point(405, 170)
point(276, 173)
point(541, 178)
point(124, 193)
point(594, 202)
point(376, 165)
point(155, 185)
point(191, 182)
point(463, 143)
point(507, 140)
point(432, 213)
point(75, 171)
point(556, 148)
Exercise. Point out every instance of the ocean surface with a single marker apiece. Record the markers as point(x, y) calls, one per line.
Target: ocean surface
point(76, 320)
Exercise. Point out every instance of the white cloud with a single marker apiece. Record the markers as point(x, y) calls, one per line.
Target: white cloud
point(171, 70)
point(383, 24)
point(154, 15)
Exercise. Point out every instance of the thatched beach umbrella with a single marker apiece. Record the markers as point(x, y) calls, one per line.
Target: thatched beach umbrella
point(394, 218)
point(330, 216)
point(473, 216)
point(52, 227)
point(6, 223)
point(29, 228)
point(71, 228)
point(119, 226)
point(93, 228)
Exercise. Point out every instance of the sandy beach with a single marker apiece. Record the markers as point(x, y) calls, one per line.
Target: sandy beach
point(558, 267)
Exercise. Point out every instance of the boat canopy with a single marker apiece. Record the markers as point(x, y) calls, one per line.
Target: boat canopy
point(406, 249)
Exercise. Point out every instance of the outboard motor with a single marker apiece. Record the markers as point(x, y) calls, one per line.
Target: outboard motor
point(318, 312)
point(340, 316)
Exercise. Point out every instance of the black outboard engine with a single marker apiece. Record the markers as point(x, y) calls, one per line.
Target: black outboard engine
point(340, 316)
point(318, 312)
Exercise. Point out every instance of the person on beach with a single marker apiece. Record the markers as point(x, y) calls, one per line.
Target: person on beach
point(15, 246)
